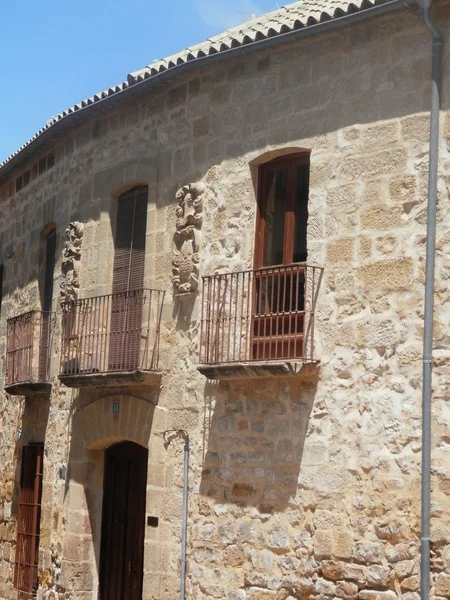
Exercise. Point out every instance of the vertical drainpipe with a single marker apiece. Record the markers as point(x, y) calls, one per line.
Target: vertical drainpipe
point(185, 516)
point(168, 436)
point(425, 6)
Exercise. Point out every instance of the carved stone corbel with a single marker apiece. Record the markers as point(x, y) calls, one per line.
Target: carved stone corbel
point(71, 262)
point(187, 240)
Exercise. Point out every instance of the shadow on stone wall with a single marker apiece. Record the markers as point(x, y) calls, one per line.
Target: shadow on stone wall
point(182, 312)
point(254, 436)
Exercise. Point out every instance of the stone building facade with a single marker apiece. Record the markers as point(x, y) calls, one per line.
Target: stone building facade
point(304, 479)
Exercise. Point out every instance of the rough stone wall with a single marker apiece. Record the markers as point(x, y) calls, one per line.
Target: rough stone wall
point(298, 488)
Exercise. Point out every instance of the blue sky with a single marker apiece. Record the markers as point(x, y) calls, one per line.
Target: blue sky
point(54, 53)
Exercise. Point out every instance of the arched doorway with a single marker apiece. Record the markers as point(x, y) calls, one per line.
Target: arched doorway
point(123, 522)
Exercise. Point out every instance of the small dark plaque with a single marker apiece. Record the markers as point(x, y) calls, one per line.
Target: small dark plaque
point(152, 521)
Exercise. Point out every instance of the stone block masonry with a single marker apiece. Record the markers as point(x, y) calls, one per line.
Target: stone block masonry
point(298, 488)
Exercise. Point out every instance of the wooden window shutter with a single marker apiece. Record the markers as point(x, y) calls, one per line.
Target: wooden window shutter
point(1, 288)
point(47, 301)
point(49, 267)
point(28, 519)
point(129, 256)
point(280, 242)
point(128, 276)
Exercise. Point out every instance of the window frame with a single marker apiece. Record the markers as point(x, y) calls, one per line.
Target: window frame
point(290, 162)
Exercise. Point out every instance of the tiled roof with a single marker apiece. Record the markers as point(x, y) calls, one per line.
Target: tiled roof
point(289, 18)
point(297, 15)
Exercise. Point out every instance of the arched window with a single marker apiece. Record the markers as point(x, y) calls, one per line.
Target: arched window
point(282, 211)
point(128, 280)
point(48, 244)
point(280, 244)
point(129, 253)
point(47, 266)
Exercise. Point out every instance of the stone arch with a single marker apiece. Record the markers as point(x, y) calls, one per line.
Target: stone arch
point(100, 427)
point(277, 153)
point(116, 180)
point(94, 428)
point(268, 156)
point(47, 228)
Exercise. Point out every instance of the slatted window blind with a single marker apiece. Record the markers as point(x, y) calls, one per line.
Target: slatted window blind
point(1, 288)
point(28, 519)
point(50, 247)
point(128, 275)
point(47, 299)
point(129, 256)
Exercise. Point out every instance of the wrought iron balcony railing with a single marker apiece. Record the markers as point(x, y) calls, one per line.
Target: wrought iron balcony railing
point(260, 315)
point(28, 341)
point(111, 333)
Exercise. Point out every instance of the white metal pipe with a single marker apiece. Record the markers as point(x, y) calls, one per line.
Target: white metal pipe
point(184, 434)
point(429, 299)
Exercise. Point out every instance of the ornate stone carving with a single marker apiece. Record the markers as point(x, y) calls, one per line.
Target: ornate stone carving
point(187, 240)
point(71, 262)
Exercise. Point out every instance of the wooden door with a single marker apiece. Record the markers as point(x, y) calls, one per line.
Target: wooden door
point(28, 519)
point(123, 522)
point(280, 245)
point(128, 279)
point(46, 304)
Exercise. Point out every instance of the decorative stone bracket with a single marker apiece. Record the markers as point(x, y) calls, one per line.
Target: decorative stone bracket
point(71, 262)
point(187, 240)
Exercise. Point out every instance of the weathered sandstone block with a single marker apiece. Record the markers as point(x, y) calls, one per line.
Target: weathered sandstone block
point(388, 275)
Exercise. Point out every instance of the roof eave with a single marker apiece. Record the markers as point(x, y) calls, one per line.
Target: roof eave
point(194, 64)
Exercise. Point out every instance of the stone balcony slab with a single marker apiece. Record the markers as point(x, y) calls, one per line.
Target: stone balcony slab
point(29, 388)
point(245, 370)
point(112, 379)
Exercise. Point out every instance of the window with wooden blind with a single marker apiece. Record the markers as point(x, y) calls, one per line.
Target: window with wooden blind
point(46, 302)
point(28, 519)
point(1, 288)
point(280, 240)
point(282, 211)
point(129, 243)
point(128, 275)
point(48, 270)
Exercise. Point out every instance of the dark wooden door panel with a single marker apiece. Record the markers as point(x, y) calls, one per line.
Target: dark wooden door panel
point(123, 522)
point(135, 527)
point(28, 520)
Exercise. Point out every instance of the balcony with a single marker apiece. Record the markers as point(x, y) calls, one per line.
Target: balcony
point(112, 340)
point(260, 322)
point(28, 342)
